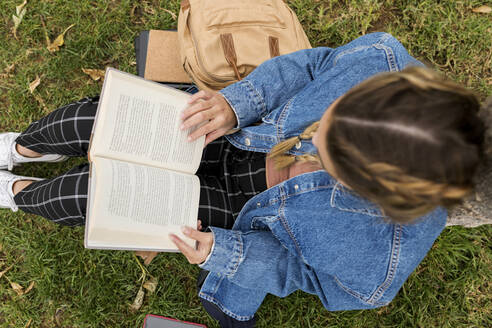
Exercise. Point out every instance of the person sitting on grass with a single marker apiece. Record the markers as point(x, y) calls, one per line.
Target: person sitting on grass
point(339, 191)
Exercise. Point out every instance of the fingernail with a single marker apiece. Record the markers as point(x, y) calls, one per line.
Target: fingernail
point(173, 238)
point(189, 139)
point(185, 230)
point(182, 127)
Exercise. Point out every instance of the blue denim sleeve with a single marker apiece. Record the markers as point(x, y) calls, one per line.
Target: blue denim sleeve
point(274, 82)
point(257, 260)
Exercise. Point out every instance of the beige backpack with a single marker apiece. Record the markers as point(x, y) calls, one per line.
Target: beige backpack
point(222, 41)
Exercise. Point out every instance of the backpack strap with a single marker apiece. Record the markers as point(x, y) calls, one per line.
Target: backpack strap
point(274, 47)
point(230, 52)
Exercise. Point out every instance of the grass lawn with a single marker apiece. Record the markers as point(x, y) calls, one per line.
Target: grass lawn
point(74, 287)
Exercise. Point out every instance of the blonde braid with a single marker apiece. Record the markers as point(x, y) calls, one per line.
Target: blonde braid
point(279, 151)
point(403, 190)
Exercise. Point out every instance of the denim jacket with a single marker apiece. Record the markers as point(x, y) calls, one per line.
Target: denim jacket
point(310, 232)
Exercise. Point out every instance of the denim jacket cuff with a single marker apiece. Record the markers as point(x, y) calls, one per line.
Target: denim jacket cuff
point(245, 101)
point(226, 253)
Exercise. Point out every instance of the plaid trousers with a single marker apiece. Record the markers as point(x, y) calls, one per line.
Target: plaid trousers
point(229, 177)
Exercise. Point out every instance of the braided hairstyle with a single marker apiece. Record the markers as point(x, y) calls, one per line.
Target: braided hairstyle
point(408, 141)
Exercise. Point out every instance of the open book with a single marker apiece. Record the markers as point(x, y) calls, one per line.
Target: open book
point(142, 184)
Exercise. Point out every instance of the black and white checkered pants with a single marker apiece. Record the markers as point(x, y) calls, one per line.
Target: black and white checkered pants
point(229, 177)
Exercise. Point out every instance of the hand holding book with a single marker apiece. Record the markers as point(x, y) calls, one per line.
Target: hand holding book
point(211, 109)
point(205, 241)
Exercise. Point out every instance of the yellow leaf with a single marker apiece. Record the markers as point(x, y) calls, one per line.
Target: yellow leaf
point(28, 324)
point(151, 284)
point(95, 74)
point(137, 303)
point(17, 288)
point(59, 41)
point(482, 10)
point(29, 288)
point(34, 84)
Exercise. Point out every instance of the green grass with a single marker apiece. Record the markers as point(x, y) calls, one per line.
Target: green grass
point(75, 287)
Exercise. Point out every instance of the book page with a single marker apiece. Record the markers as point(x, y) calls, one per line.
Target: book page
point(138, 121)
point(135, 206)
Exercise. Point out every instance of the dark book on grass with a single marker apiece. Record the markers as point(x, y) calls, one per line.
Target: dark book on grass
point(158, 59)
point(142, 183)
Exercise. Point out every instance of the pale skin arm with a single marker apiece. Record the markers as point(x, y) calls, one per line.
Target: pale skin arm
point(212, 109)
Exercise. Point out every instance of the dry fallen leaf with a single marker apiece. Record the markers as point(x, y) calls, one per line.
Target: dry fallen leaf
point(5, 271)
point(29, 288)
point(151, 284)
point(20, 11)
point(482, 10)
point(34, 84)
point(59, 41)
point(146, 256)
point(17, 288)
point(20, 7)
point(137, 303)
point(95, 74)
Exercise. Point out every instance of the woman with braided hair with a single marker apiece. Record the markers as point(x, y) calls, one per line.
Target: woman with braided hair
point(335, 181)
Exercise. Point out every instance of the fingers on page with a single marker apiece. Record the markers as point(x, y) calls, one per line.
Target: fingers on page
point(182, 246)
point(203, 94)
point(197, 118)
point(202, 131)
point(193, 109)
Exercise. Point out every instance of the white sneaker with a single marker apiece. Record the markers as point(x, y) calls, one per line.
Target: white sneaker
point(9, 157)
point(7, 181)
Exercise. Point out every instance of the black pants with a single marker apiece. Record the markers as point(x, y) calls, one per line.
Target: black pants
point(229, 177)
